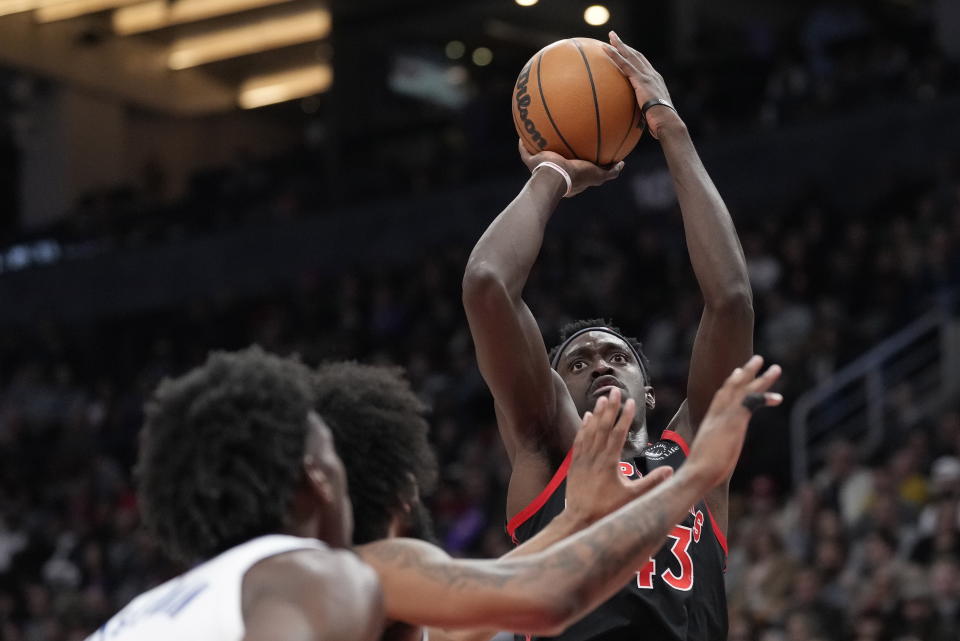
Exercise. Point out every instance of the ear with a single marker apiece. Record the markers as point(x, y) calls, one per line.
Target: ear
point(317, 482)
point(649, 397)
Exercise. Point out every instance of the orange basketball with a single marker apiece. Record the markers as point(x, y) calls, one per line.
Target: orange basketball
point(572, 99)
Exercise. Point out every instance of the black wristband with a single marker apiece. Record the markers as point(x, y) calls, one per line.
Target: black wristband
point(653, 102)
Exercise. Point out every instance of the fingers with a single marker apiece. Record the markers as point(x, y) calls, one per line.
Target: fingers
point(618, 435)
point(622, 63)
point(634, 57)
point(621, 46)
point(586, 441)
point(765, 381)
point(525, 155)
point(743, 375)
point(643, 485)
point(752, 390)
point(611, 407)
point(613, 172)
point(773, 399)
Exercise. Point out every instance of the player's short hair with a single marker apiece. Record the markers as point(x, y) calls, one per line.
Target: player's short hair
point(380, 431)
point(574, 327)
point(221, 452)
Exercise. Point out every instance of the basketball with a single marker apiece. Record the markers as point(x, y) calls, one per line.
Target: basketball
point(570, 98)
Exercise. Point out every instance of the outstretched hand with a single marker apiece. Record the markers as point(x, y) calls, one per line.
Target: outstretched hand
point(716, 448)
point(595, 484)
point(647, 83)
point(583, 174)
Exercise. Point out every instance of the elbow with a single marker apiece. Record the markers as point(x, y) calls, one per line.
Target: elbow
point(735, 304)
point(482, 284)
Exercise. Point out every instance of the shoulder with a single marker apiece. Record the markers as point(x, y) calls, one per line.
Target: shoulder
point(680, 423)
point(317, 573)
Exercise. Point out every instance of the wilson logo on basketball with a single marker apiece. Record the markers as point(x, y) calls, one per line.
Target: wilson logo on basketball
point(523, 101)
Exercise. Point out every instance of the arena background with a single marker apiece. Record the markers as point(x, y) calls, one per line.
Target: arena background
point(153, 206)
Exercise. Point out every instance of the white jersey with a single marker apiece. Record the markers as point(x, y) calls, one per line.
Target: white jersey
point(202, 604)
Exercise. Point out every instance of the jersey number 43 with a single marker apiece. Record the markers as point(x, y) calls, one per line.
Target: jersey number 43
point(682, 537)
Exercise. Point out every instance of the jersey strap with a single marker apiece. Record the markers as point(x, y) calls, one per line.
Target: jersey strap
point(670, 435)
point(523, 515)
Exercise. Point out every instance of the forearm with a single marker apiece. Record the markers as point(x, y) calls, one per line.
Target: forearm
point(540, 593)
point(593, 564)
point(509, 247)
point(714, 247)
point(561, 527)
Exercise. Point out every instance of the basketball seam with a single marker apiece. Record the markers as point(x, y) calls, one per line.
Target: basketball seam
point(593, 89)
point(633, 119)
point(543, 100)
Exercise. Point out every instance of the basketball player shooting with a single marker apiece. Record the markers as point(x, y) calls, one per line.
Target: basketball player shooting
point(540, 396)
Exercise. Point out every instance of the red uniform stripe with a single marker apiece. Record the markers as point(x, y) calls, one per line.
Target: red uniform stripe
point(542, 498)
point(669, 435)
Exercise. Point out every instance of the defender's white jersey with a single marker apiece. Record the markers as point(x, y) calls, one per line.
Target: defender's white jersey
point(202, 604)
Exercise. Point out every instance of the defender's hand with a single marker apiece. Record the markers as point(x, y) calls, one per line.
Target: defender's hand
point(583, 174)
point(716, 448)
point(647, 83)
point(595, 484)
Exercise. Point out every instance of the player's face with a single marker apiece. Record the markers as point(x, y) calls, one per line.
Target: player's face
point(595, 363)
point(336, 513)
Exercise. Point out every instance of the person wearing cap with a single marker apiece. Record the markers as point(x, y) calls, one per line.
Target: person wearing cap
point(539, 396)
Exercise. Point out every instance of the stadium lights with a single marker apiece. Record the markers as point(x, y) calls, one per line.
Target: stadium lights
point(482, 56)
point(50, 10)
point(269, 89)
point(8, 7)
point(455, 49)
point(54, 11)
point(596, 15)
point(255, 37)
point(158, 14)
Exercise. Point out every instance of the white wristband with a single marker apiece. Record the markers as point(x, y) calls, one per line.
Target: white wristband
point(558, 168)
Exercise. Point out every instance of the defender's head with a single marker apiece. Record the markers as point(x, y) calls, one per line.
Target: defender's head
point(380, 432)
point(593, 357)
point(232, 450)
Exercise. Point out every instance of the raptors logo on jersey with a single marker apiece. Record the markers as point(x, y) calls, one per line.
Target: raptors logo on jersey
point(678, 594)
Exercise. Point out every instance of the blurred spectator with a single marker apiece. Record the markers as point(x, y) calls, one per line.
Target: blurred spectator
point(843, 483)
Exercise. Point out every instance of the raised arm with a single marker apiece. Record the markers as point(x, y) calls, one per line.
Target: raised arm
point(510, 349)
point(545, 592)
point(312, 595)
point(725, 335)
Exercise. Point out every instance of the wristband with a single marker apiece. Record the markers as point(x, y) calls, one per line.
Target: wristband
point(560, 170)
point(648, 105)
